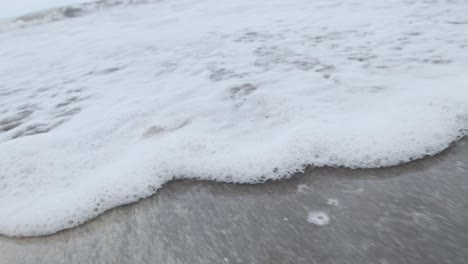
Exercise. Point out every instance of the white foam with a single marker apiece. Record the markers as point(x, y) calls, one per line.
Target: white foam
point(110, 106)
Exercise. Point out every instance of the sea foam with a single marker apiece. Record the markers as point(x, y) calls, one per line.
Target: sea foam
point(103, 109)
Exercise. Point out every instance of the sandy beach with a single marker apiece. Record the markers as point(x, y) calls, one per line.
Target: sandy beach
point(414, 213)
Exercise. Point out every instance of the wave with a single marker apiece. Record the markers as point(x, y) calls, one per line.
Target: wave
point(102, 110)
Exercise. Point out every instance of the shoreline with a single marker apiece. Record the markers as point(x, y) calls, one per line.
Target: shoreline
point(411, 213)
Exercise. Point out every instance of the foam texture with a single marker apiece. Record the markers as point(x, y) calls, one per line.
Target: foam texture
point(102, 109)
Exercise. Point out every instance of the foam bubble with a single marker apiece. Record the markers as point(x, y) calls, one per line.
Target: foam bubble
point(333, 202)
point(103, 109)
point(319, 218)
point(301, 188)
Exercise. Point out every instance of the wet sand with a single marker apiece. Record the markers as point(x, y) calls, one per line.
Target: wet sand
point(414, 213)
